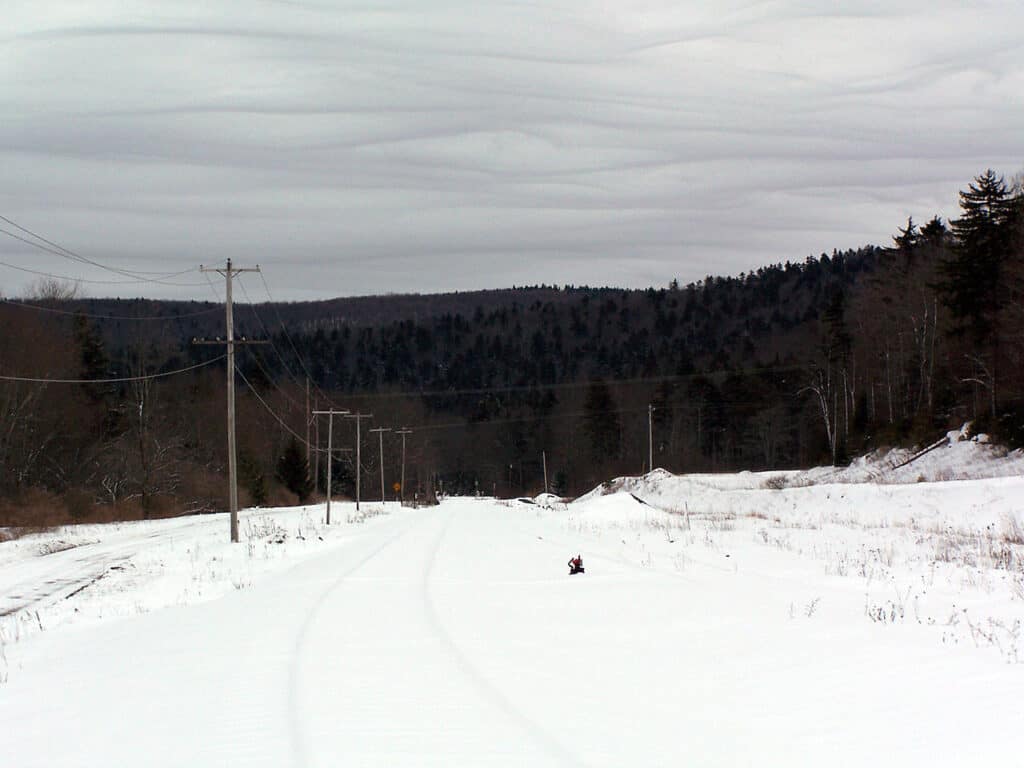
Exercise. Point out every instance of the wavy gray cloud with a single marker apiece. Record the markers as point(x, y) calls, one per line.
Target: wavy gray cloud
point(401, 146)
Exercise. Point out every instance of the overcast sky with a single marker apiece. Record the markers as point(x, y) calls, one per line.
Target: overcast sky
point(424, 145)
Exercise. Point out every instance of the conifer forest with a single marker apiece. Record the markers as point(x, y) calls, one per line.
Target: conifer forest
point(809, 361)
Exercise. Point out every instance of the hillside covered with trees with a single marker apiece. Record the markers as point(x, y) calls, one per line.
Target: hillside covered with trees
point(790, 365)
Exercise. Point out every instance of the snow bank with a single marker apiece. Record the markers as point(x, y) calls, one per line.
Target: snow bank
point(965, 486)
point(959, 456)
point(125, 569)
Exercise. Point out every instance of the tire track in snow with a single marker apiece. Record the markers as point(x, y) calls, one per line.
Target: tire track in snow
point(490, 692)
point(299, 752)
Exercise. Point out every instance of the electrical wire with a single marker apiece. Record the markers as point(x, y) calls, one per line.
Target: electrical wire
point(273, 413)
point(67, 253)
point(569, 415)
point(284, 393)
point(87, 280)
point(213, 288)
point(270, 340)
point(494, 422)
point(570, 384)
point(256, 359)
point(86, 315)
point(284, 330)
point(478, 390)
point(114, 380)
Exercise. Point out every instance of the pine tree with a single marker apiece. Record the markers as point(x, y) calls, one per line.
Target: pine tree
point(907, 243)
point(970, 279)
point(934, 232)
point(293, 471)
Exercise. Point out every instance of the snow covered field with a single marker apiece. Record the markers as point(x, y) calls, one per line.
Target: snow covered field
point(722, 621)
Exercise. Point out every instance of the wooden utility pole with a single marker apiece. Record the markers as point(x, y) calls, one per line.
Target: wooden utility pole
point(229, 272)
point(650, 438)
point(359, 466)
point(381, 431)
point(401, 485)
point(316, 453)
point(544, 459)
point(330, 455)
point(309, 419)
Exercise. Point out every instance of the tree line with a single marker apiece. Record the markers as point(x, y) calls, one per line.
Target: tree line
point(787, 366)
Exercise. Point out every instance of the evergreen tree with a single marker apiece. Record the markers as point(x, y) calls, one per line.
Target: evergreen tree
point(293, 471)
point(92, 357)
point(934, 232)
point(972, 281)
point(254, 478)
point(970, 278)
point(907, 240)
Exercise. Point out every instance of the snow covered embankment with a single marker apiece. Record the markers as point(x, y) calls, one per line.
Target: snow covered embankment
point(84, 574)
point(946, 555)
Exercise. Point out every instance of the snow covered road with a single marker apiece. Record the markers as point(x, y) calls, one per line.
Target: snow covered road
point(453, 637)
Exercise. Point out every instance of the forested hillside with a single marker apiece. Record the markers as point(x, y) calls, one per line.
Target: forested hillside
point(794, 364)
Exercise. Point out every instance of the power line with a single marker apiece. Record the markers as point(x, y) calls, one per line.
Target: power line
point(116, 380)
point(573, 384)
point(275, 385)
point(86, 315)
point(256, 356)
point(569, 415)
point(67, 253)
point(273, 413)
point(284, 330)
point(256, 359)
point(269, 409)
point(270, 338)
point(87, 280)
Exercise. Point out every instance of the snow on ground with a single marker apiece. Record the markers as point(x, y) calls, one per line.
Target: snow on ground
point(722, 621)
point(88, 573)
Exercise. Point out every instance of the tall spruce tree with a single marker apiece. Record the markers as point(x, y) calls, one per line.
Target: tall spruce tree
point(983, 237)
point(971, 281)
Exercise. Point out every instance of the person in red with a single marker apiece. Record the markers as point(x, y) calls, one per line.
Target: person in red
point(575, 565)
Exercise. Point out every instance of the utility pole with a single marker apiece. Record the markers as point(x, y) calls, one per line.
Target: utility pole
point(316, 453)
point(650, 438)
point(544, 459)
point(401, 485)
point(308, 420)
point(229, 272)
point(330, 456)
point(359, 467)
point(381, 431)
